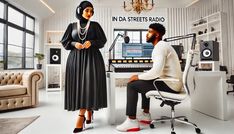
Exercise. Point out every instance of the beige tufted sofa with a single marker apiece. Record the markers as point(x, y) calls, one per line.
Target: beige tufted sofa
point(19, 89)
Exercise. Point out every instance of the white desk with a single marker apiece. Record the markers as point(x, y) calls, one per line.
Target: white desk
point(111, 78)
point(210, 95)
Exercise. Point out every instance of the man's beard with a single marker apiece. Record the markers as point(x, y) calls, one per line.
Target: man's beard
point(151, 39)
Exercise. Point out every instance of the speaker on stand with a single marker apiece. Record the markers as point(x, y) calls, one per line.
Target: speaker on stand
point(55, 56)
point(209, 51)
point(209, 56)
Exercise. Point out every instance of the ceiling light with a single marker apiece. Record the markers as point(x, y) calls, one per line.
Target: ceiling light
point(139, 5)
point(195, 1)
point(43, 2)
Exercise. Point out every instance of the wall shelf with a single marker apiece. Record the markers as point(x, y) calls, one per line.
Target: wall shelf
point(214, 22)
point(200, 26)
point(212, 28)
point(53, 71)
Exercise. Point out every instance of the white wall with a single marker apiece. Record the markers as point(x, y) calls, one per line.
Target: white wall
point(39, 33)
point(132, 20)
point(178, 25)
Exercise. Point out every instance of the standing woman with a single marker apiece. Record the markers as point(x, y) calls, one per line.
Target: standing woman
point(85, 83)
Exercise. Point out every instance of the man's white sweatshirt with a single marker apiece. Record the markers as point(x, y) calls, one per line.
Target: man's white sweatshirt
point(166, 65)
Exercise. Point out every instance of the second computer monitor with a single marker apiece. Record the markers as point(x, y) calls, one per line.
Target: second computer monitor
point(144, 50)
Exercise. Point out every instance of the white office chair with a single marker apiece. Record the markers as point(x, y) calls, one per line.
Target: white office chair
point(172, 99)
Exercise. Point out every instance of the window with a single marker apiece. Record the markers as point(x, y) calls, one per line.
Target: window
point(29, 24)
point(18, 32)
point(1, 10)
point(15, 16)
point(15, 45)
point(136, 36)
point(143, 36)
point(1, 41)
point(29, 50)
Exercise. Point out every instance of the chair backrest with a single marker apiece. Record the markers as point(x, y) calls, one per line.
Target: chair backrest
point(189, 59)
point(232, 79)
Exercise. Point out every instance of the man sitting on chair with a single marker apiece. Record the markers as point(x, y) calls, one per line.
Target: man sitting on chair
point(165, 65)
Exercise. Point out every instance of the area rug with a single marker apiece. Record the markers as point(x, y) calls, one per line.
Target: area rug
point(15, 125)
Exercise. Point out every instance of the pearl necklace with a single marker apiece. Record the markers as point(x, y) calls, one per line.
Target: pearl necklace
point(85, 30)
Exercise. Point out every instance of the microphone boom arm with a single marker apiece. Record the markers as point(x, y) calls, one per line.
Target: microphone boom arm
point(192, 35)
point(111, 47)
point(114, 42)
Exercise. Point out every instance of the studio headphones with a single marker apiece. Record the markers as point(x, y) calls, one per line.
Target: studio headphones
point(78, 10)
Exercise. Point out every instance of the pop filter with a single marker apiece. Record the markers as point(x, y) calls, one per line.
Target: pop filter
point(126, 39)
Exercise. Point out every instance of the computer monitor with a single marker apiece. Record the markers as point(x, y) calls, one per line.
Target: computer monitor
point(179, 50)
point(131, 50)
point(147, 49)
point(137, 50)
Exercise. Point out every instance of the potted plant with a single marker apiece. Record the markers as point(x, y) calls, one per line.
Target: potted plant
point(1, 64)
point(39, 57)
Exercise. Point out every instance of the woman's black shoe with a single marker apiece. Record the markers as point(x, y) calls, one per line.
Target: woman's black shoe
point(77, 130)
point(90, 121)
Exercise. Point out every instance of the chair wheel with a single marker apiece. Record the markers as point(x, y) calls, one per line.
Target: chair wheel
point(173, 132)
point(185, 119)
point(198, 130)
point(151, 126)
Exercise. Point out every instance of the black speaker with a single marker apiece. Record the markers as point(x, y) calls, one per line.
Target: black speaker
point(209, 51)
point(55, 56)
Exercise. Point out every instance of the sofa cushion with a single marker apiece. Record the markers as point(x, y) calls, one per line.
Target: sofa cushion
point(12, 90)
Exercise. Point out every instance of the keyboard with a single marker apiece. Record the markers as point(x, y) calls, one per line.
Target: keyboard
point(133, 65)
point(139, 67)
point(130, 65)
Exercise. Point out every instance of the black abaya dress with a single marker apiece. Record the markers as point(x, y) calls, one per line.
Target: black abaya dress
point(85, 81)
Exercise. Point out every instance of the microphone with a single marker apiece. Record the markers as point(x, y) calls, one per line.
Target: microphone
point(126, 38)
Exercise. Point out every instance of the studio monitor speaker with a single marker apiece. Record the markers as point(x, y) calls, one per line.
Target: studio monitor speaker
point(209, 51)
point(55, 56)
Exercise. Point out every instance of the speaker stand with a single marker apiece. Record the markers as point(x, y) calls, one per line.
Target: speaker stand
point(208, 65)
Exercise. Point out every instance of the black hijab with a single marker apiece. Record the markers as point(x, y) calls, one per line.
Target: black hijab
point(81, 7)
